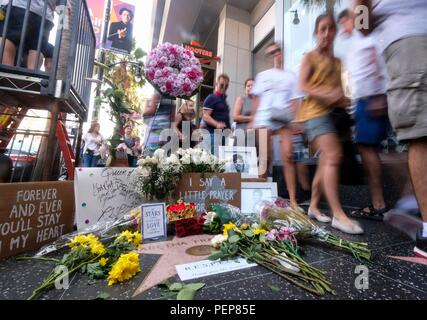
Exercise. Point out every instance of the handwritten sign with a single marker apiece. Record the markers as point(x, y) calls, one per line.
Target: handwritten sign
point(154, 221)
point(104, 194)
point(206, 268)
point(33, 215)
point(209, 188)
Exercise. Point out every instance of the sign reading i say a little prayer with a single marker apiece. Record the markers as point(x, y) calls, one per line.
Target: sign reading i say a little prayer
point(153, 221)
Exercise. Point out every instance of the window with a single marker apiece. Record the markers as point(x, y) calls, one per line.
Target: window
point(260, 61)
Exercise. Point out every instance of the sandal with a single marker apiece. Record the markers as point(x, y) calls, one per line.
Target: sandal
point(369, 213)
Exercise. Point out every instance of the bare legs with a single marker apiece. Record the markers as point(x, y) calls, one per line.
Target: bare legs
point(327, 176)
point(9, 53)
point(289, 168)
point(372, 165)
point(418, 172)
point(263, 144)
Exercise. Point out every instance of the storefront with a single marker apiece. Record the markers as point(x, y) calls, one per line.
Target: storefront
point(235, 30)
point(238, 32)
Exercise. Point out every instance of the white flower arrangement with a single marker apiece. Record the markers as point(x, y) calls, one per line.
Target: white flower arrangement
point(158, 175)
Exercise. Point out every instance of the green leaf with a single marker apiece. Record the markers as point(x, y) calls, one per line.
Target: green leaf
point(216, 255)
point(194, 286)
point(103, 296)
point(274, 288)
point(186, 294)
point(95, 271)
point(176, 286)
point(169, 294)
point(231, 233)
point(234, 239)
point(233, 249)
point(139, 53)
point(249, 233)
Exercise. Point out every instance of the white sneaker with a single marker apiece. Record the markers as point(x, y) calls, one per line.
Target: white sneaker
point(354, 228)
point(319, 217)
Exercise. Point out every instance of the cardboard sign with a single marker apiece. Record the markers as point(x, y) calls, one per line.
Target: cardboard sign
point(34, 214)
point(209, 188)
point(154, 221)
point(104, 194)
point(206, 268)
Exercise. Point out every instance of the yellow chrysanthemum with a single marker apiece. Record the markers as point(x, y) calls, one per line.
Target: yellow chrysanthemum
point(229, 226)
point(259, 231)
point(124, 269)
point(133, 237)
point(244, 226)
point(103, 262)
point(90, 241)
point(82, 240)
point(97, 249)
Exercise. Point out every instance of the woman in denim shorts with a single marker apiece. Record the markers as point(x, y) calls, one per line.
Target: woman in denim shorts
point(320, 79)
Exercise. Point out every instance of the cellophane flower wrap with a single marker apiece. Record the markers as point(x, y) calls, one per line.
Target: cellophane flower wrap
point(105, 231)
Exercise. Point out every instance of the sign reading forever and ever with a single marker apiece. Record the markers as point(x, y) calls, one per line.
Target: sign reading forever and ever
point(209, 188)
point(33, 215)
point(154, 221)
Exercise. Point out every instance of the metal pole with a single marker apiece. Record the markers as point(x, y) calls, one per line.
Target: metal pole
point(101, 58)
point(51, 143)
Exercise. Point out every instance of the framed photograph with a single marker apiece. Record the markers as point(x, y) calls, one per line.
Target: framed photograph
point(244, 160)
point(254, 193)
point(154, 222)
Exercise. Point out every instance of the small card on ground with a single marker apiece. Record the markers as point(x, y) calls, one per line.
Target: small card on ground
point(206, 268)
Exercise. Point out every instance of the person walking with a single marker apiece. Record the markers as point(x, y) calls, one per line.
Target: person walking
point(320, 80)
point(366, 67)
point(276, 102)
point(401, 31)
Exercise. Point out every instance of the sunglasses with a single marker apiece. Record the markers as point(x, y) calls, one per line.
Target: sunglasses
point(223, 86)
point(273, 53)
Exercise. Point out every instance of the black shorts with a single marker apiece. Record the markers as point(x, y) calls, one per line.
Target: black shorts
point(15, 26)
point(47, 48)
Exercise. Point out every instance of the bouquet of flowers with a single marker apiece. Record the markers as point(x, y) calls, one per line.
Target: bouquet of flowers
point(276, 216)
point(173, 70)
point(181, 210)
point(279, 255)
point(159, 175)
point(183, 216)
point(105, 231)
point(116, 262)
point(199, 160)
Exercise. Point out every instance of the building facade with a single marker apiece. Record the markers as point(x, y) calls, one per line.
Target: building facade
point(238, 31)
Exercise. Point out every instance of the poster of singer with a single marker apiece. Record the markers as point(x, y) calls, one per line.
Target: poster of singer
point(121, 27)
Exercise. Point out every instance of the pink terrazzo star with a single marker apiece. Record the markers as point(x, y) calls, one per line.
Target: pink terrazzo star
point(173, 253)
point(411, 259)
